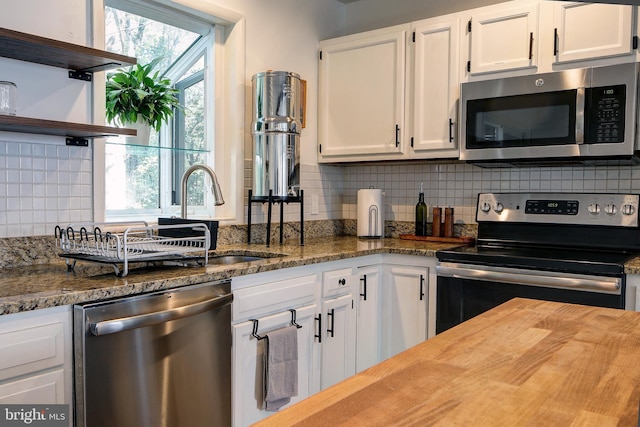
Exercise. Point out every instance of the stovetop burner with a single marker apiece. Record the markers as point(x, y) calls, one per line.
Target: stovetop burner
point(575, 233)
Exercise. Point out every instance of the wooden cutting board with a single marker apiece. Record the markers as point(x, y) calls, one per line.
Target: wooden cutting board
point(524, 363)
point(467, 240)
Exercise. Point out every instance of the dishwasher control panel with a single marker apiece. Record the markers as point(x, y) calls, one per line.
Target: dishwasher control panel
point(560, 208)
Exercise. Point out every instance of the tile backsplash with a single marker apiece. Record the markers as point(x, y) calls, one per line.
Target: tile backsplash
point(42, 185)
point(457, 185)
point(45, 184)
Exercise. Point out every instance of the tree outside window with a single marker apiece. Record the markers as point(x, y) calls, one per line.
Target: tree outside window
point(136, 176)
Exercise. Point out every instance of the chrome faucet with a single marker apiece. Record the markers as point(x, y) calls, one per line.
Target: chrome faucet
point(215, 187)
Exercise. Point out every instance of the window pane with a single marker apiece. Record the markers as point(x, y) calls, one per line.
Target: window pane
point(145, 39)
point(194, 117)
point(142, 172)
point(196, 185)
point(133, 177)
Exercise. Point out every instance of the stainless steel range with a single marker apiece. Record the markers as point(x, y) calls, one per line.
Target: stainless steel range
point(552, 246)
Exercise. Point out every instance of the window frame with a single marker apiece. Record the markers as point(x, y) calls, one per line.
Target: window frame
point(228, 76)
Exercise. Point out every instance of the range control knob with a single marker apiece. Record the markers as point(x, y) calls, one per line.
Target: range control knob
point(499, 207)
point(485, 207)
point(594, 209)
point(628, 209)
point(610, 209)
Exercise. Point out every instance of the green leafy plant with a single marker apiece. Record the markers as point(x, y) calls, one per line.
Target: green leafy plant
point(137, 92)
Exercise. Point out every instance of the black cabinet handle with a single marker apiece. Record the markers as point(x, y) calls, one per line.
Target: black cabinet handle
point(530, 46)
point(421, 287)
point(330, 330)
point(555, 41)
point(363, 279)
point(450, 130)
point(397, 136)
point(342, 282)
point(319, 335)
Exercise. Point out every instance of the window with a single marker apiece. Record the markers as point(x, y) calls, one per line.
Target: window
point(144, 181)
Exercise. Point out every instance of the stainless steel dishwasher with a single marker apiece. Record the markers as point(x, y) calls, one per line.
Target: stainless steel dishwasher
point(158, 359)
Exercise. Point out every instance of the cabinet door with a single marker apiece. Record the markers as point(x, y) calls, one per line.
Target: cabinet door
point(405, 319)
point(248, 367)
point(368, 317)
point(42, 388)
point(338, 340)
point(505, 39)
point(361, 96)
point(436, 79)
point(592, 30)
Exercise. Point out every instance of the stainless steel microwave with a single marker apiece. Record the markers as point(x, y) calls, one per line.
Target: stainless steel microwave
point(585, 115)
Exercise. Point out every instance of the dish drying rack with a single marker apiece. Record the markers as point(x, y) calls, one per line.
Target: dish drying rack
point(135, 242)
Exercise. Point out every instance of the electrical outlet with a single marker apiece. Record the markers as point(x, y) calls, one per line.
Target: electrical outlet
point(314, 204)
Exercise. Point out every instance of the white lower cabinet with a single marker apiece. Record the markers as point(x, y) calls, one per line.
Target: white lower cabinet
point(368, 325)
point(267, 298)
point(406, 293)
point(36, 358)
point(354, 313)
point(46, 388)
point(248, 353)
point(338, 326)
point(338, 340)
point(632, 295)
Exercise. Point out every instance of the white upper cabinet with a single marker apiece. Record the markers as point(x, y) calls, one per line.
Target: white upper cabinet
point(435, 82)
point(362, 96)
point(528, 36)
point(504, 38)
point(592, 30)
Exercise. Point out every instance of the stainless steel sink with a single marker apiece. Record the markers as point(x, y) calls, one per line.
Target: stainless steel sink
point(233, 259)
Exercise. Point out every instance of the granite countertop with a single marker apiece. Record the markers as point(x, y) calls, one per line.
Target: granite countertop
point(632, 266)
point(48, 285)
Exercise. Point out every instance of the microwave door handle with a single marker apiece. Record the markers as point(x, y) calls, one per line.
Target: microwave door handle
point(580, 115)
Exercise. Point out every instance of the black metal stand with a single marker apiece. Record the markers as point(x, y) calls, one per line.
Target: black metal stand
point(271, 200)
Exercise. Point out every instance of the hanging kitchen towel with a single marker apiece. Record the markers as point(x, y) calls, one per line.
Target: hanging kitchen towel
point(280, 367)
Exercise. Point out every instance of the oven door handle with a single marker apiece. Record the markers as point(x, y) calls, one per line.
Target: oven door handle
point(548, 279)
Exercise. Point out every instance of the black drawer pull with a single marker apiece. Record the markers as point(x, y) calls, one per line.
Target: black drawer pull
point(363, 279)
point(331, 313)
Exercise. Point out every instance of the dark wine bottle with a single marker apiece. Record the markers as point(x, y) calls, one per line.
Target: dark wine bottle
point(421, 214)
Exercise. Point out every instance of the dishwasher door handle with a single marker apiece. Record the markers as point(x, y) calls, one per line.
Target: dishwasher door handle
point(112, 326)
point(547, 279)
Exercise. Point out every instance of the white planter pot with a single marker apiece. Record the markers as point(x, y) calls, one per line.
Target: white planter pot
point(143, 129)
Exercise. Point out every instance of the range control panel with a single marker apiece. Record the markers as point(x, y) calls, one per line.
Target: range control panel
point(560, 208)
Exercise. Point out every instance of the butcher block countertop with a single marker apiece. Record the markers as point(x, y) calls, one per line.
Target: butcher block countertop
point(524, 363)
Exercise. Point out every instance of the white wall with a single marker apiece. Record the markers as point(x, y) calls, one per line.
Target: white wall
point(36, 194)
point(43, 182)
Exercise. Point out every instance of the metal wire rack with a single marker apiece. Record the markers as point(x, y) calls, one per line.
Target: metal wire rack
point(135, 242)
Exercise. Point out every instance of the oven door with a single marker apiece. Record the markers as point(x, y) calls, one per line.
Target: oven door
point(464, 290)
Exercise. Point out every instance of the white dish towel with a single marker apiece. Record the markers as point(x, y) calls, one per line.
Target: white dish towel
point(280, 367)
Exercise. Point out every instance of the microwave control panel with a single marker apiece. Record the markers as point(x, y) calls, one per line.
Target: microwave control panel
point(605, 114)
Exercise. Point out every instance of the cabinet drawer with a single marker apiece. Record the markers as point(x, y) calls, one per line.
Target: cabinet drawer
point(46, 388)
point(267, 298)
point(29, 347)
point(337, 282)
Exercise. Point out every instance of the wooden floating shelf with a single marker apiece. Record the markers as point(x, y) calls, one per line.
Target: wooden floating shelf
point(57, 128)
point(42, 50)
point(466, 240)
